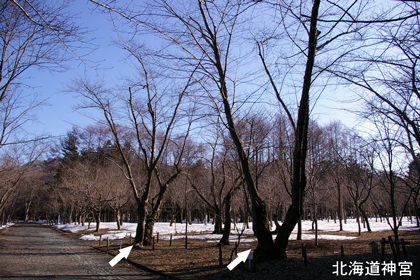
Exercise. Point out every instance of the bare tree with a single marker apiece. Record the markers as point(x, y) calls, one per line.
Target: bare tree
point(223, 180)
point(16, 160)
point(301, 132)
point(203, 34)
point(310, 29)
point(392, 199)
point(33, 34)
point(413, 182)
point(207, 179)
point(152, 118)
point(208, 34)
point(120, 197)
point(317, 169)
point(358, 163)
point(388, 81)
point(282, 155)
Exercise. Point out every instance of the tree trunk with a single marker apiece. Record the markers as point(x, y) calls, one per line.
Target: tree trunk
point(358, 221)
point(301, 144)
point(228, 219)
point(189, 215)
point(275, 217)
point(270, 218)
point(150, 223)
point(141, 217)
point(259, 207)
point(340, 205)
point(261, 227)
point(299, 232)
point(417, 209)
point(71, 214)
point(315, 222)
point(172, 219)
point(218, 222)
point(98, 219)
point(365, 218)
point(27, 206)
point(118, 218)
point(148, 231)
point(246, 219)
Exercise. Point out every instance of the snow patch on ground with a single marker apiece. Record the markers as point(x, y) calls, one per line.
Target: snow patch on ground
point(6, 225)
point(73, 228)
point(110, 236)
point(203, 231)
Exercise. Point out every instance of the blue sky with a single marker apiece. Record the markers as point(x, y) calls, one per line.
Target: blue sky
point(59, 116)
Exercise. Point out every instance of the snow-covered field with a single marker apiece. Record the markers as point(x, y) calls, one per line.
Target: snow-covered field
point(6, 225)
point(202, 231)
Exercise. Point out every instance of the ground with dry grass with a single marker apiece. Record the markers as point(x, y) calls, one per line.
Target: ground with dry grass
point(201, 258)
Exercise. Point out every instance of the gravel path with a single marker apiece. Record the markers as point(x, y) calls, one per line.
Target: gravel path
point(32, 251)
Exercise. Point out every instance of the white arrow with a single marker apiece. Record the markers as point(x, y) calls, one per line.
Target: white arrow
point(123, 254)
point(242, 256)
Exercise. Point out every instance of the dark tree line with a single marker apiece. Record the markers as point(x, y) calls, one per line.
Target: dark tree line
point(82, 182)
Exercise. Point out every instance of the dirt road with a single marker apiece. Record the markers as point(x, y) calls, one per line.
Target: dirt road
point(32, 251)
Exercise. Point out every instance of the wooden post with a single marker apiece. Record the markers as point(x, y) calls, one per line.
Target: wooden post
point(130, 238)
point(100, 239)
point(250, 259)
point(404, 249)
point(305, 256)
point(254, 264)
point(383, 249)
point(157, 238)
point(342, 253)
point(375, 250)
point(394, 252)
point(170, 241)
point(107, 243)
point(153, 243)
point(220, 256)
point(186, 240)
